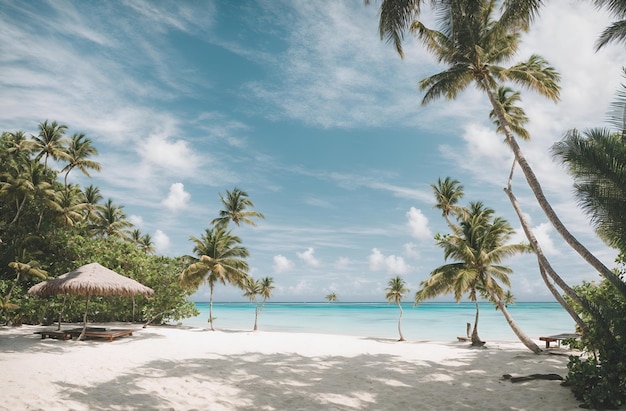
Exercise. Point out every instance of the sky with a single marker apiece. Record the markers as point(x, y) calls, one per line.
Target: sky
point(301, 105)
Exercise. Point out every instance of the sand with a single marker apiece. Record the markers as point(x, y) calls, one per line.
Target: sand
point(169, 368)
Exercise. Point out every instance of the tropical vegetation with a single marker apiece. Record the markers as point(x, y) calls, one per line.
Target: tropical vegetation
point(258, 288)
point(50, 225)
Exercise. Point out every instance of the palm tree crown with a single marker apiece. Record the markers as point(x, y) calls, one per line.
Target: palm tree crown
point(236, 204)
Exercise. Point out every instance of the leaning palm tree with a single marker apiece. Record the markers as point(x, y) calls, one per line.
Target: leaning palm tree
point(77, 155)
point(236, 204)
point(220, 258)
point(477, 246)
point(49, 142)
point(395, 293)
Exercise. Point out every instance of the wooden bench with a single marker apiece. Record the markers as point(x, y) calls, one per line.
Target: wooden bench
point(558, 338)
point(59, 335)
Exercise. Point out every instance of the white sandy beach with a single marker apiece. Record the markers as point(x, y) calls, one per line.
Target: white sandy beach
point(168, 368)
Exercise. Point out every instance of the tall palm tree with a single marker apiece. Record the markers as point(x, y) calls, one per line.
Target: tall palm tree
point(447, 195)
point(77, 154)
point(220, 258)
point(472, 44)
point(616, 32)
point(397, 16)
point(478, 246)
point(262, 287)
point(395, 293)
point(236, 204)
point(50, 141)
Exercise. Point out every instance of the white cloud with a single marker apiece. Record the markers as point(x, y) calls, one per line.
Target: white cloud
point(418, 224)
point(342, 262)
point(161, 241)
point(410, 250)
point(308, 257)
point(136, 220)
point(174, 156)
point(391, 264)
point(282, 264)
point(177, 198)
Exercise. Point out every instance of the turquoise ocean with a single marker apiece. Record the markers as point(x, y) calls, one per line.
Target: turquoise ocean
point(431, 321)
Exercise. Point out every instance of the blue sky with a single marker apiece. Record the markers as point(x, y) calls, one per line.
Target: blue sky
point(301, 105)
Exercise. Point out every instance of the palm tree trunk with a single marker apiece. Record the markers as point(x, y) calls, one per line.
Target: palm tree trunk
point(211, 308)
point(256, 317)
point(82, 334)
point(530, 344)
point(400, 323)
point(61, 311)
point(475, 338)
point(19, 210)
point(534, 185)
point(545, 266)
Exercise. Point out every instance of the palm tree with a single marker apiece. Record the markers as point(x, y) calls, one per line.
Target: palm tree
point(262, 287)
point(24, 181)
point(92, 198)
point(236, 204)
point(447, 194)
point(515, 116)
point(397, 16)
point(331, 298)
point(616, 32)
point(69, 205)
point(50, 141)
point(220, 258)
point(395, 293)
point(477, 246)
point(110, 221)
point(78, 152)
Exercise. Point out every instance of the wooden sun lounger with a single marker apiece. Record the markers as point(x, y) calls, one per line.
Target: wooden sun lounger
point(59, 335)
point(100, 333)
point(558, 338)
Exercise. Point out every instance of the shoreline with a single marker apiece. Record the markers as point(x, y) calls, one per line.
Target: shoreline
point(174, 368)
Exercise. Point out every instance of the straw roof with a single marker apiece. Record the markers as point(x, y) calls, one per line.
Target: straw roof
point(91, 279)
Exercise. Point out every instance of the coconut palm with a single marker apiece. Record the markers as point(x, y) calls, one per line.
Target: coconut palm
point(515, 116)
point(110, 221)
point(331, 298)
point(50, 141)
point(397, 16)
point(24, 181)
point(478, 246)
point(220, 258)
point(236, 204)
point(447, 194)
point(395, 293)
point(92, 199)
point(69, 205)
point(77, 155)
point(262, 287)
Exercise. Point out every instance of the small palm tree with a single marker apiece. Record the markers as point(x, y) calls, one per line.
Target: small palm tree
point(50, 141)
point(262, 287)
point(395, 293)
point(331, 298)
point(447, 195)
point(78, 153)
point(111, 221)
point(236, 204)
point(220, 258)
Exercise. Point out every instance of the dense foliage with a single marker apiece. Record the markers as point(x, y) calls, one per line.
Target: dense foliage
point(49, 227)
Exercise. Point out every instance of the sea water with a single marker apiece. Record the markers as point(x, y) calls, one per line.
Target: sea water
point(429, 321)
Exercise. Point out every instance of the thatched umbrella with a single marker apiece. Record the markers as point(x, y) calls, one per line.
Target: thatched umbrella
point(88, 280)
